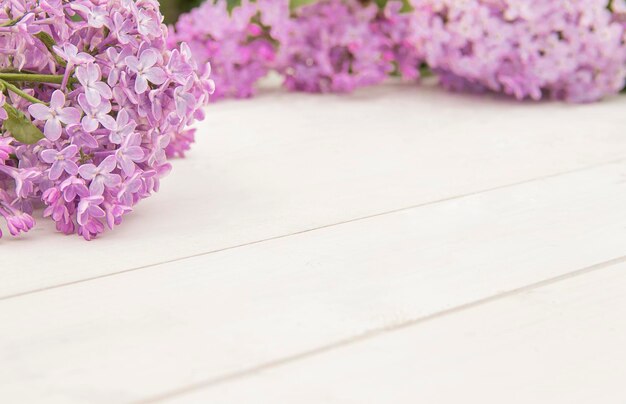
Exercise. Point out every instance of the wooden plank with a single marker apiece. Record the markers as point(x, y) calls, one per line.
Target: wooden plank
point(560, 343)
point(284, 163)
point(143, 333)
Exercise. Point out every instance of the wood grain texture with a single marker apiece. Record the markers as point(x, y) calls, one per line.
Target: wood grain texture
point(189, 323)
point(559, 343)
point(285, 163)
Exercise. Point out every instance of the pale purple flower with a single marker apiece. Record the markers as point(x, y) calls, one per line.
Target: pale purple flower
point(95, 90)
point(120, 128)
point(148, 23)
point(122, 28)
point(62, 161)
point(88, 208)
point(70, 53)
point(183, 98)
point(5, 148)
point(145, 71)
point(101, 175)
point(3, 112)
point(55, 115)
point(562, 49)
point(95, 115)
point(118, 62)
point(129, 153)
point(73, 187)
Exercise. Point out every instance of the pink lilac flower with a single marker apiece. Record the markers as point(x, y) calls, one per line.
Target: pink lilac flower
point(118, 103)
point(563, 49)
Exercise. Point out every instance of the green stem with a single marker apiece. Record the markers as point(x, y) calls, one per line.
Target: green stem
point(33, 78)
point(21, 93)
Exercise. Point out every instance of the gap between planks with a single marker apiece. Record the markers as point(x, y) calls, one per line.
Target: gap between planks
point(268, 239)
point(374, 333)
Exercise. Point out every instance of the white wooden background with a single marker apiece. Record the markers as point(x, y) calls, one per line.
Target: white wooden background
point(399, 245)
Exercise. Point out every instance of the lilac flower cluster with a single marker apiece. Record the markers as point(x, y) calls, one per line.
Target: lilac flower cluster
point(92, 103)
point(330, 45)
point(562, 49)
point(241, 45)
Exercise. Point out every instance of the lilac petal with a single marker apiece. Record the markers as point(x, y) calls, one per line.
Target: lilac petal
point(85, 139)
point(106, 120)
point(112, 180)
point(97, 185)
point(69, 115)
point(58, 100)
point(110, 124)
point(39, 111)
point(95, 211)
point(148, 58)
point(71, 167)
point(69, 152)
point(56, 170)
point(104, 90)
point(127, 165)
point(141, 84)
point(133, 63)
point(156, 75)
point(49, 156)
point(114, 76)
point(87, 171)
point(122, 117)
point(93, 73)
point(82, 75)
point(108, 164)
point(89, 124)
point(93, 96)
point(52, 129)
point(135, 153)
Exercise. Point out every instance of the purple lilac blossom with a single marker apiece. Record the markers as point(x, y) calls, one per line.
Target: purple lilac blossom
point(561, 49)
point(240, 45)
point(111, 120)
point(330, 47)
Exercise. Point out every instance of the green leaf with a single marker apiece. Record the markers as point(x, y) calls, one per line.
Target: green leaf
point(293, 4)
point(20, 127)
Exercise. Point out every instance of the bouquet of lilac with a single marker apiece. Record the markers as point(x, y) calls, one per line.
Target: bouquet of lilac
point(563, 49)
point(91, 105)
point(572, 50)
point(327, 46)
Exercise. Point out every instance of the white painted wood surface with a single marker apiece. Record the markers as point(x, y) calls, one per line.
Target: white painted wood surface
point(302, 229)
point(558, 343)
